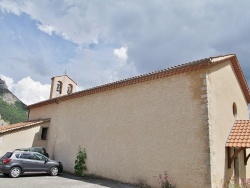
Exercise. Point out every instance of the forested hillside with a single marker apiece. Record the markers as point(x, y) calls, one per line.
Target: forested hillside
point(12, 110)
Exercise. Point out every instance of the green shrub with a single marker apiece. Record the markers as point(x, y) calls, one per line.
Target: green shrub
point(80, 162)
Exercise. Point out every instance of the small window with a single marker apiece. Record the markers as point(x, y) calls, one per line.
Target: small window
point(59, 87)
point(70, 88)
point(234, 109)
point(44, 133)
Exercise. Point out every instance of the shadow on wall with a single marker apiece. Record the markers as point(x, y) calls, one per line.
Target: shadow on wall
point(228, 172)
point(25, 138)
point(40, 138)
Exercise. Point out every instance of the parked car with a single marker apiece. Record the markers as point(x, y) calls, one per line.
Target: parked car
point(22, 162)
point(35, 149)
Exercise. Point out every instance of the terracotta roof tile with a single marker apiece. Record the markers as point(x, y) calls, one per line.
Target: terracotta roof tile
point(240, 134)
point(21, 125)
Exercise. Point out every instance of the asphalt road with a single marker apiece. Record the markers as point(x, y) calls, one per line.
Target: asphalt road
point(62, 181)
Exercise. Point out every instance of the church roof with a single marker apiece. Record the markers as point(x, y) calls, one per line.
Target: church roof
point(239, 135)
point(179, 69)
point(21, 125)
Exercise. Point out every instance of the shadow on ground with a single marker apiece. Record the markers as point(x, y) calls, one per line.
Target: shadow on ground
point(97, 180)
point(87, 179)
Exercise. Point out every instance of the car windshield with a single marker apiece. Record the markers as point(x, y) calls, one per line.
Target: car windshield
point(39, 150)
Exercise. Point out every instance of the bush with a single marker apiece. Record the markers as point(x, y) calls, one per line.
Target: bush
point(80, 162)
point(165, 181)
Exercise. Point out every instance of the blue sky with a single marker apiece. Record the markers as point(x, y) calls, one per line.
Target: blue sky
point(22, 43)
point(98, 42)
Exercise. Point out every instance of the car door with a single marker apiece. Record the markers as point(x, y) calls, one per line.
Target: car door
point(40, 161)
point(27, 162)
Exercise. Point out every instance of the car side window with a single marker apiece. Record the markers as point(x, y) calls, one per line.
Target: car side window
point(17, 155)
point(39, 157)
point(26, 156)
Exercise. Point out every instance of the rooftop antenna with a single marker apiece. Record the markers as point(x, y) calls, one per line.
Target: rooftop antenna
point(65, 72)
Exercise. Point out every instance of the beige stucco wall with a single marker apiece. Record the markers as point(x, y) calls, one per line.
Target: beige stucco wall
point(27, 137)
point(136, 132)
point(223, 90)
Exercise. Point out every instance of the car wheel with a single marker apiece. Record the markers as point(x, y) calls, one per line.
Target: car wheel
point(54, 171)
point(15, 172)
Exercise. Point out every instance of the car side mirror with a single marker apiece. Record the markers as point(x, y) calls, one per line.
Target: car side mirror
point(46, 160)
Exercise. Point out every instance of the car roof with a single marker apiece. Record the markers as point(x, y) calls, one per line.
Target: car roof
point(29, 152)
point(21, 149)
point(30, 148)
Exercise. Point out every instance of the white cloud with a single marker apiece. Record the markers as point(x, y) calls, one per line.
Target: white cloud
point(121, 53)
point(95, 67)
point(28, 90)
point(79, 88)
point(9, 81)
point(46, 28)
point(10, 6)
point(153, 34)
point(71, 20)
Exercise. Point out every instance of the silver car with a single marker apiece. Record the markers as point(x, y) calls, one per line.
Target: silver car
point(16, 163)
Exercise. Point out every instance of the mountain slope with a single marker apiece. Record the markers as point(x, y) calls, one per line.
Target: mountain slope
point(12, 110)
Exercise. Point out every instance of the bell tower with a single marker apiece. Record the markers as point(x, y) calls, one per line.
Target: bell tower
point(62, 85)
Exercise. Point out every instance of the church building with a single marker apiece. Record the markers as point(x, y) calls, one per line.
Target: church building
point(190, 120)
